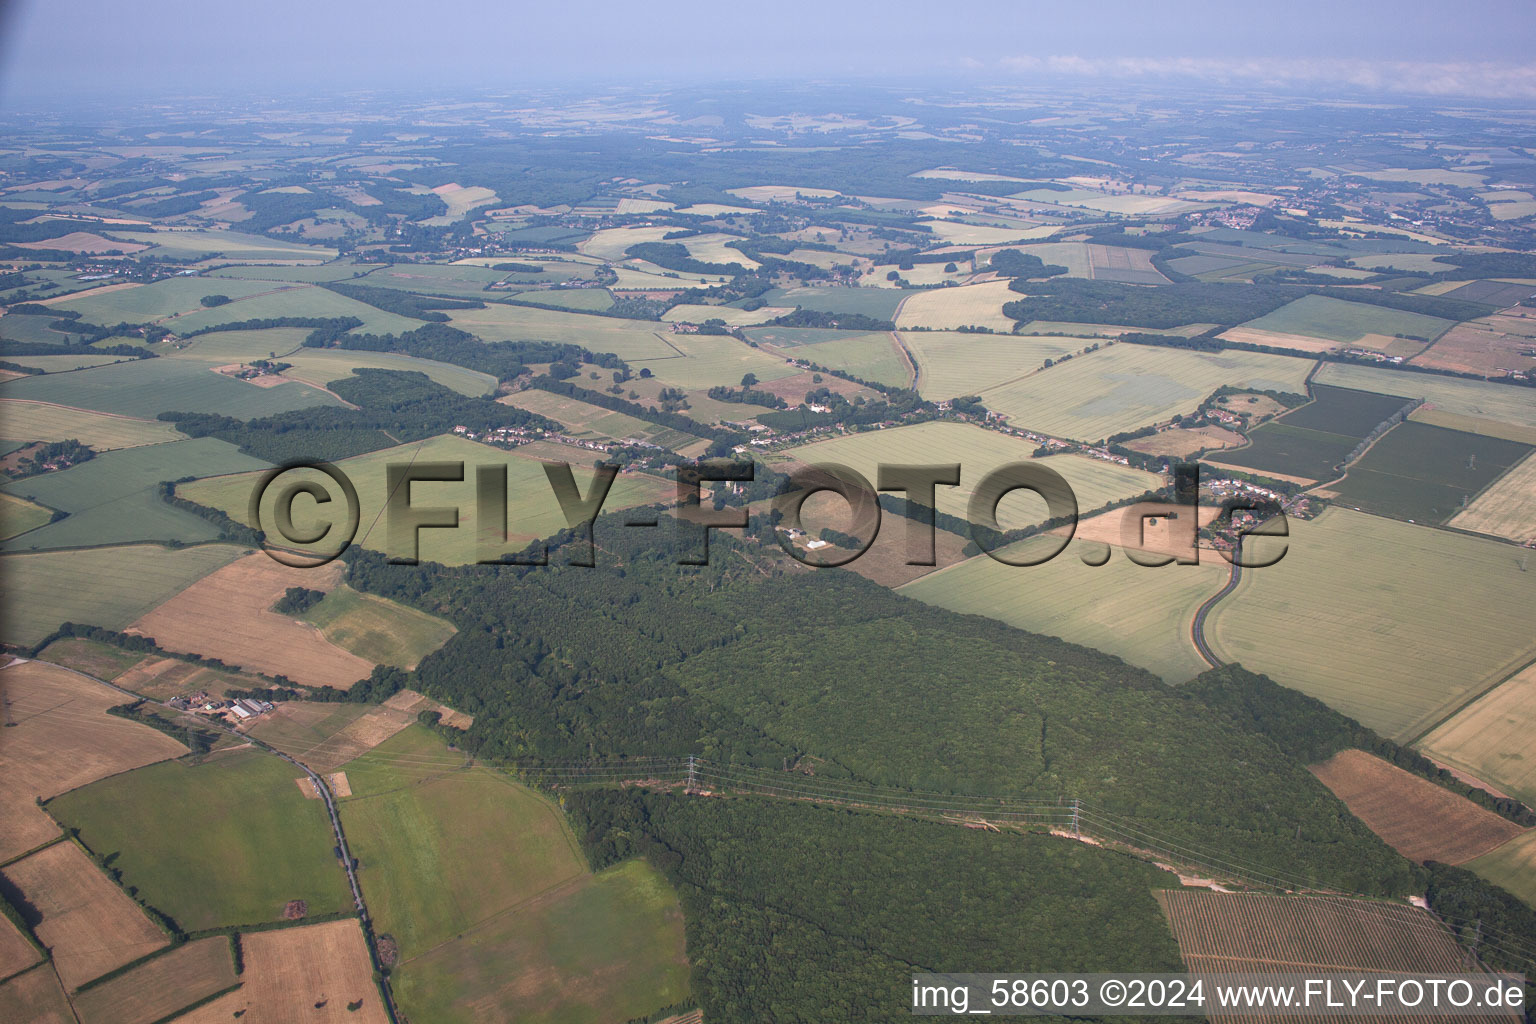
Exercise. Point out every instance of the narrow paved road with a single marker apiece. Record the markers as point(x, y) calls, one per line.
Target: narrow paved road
point(1197, 627)
point(320, 787)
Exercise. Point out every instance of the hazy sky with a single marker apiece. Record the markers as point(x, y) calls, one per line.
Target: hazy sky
point(99, 48)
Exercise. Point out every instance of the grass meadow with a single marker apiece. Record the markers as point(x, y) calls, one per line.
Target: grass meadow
point(507, 914)
point(951, 363)
point(380, 630)
point(226, 842)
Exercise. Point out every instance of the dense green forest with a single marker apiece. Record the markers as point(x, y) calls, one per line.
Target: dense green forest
point(803, 913)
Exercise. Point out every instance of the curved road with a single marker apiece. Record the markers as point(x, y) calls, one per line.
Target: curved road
point(1197, 627)
point(330, 806)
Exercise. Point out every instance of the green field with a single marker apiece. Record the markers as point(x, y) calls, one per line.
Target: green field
point(18, 515)
point(115, 499)
point(582, 419)
point(322, 366)
point(951, 364)
point(1473, 398)
point(879, 303)
point(507, 914)
point(873, 357)
point(437, 279)
point(1318, 316)
point(150, 302)
point(707, 360)
point(298, 275)
point(609, 948)
point(147, 387)
point(1426, 474)
point(582, 300)
point(299, 300)
point(978, 451)
point(1512, 866)
point(1123, 387)
point(378, 629)
point(1138, 613)
point(102, 586)
point(65, 364)
point(242, 346)
point(410, 796)
point(35, 421)
point(531, 506)
point(1355, 615)
point(1309, 441)
point(789, 337)
point(631, 340)
point(226, 842)
point(232, 244)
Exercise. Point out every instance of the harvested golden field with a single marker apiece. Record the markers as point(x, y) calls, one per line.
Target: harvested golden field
point(327, 736)
point(228, 615)
point(157, 989)
point(90, 924)
point(1505, 509)
point(16, 950)
point(1417, 818)
point(35, 998)
point(1492, 737)
point(1169, 533)
point(315, 974)
point(62, 739)
point(1479, 347)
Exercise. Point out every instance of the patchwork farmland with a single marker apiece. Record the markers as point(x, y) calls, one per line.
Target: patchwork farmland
point(89, 925)
point(1503, 509)
point(61, 737)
